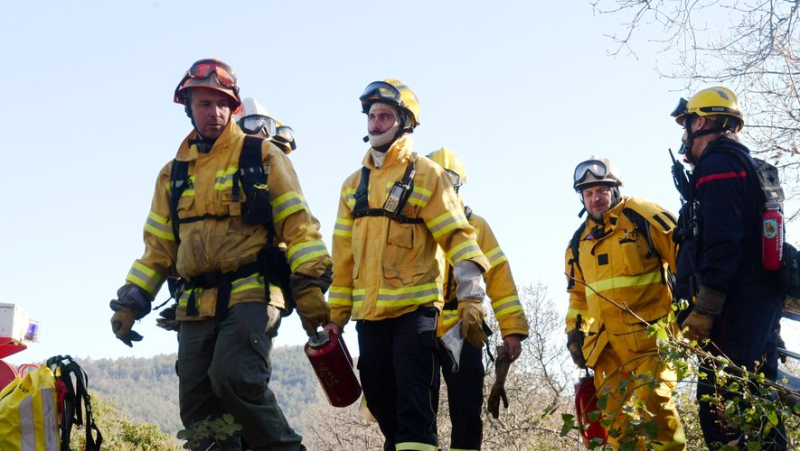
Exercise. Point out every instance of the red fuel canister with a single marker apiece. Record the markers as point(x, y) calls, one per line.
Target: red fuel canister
point(585, 403)
point(334, 368)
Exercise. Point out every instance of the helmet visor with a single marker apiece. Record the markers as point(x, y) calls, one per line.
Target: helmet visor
point(380, 91)
point(204, 68)
point(595, 167)
point(257, 123)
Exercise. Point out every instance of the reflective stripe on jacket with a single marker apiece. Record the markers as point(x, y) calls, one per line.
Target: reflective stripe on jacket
point(500, 287)
point(616, 262)
point(223, 241)
point(384, 268)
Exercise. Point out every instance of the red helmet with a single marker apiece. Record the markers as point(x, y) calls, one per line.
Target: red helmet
point(213, 74)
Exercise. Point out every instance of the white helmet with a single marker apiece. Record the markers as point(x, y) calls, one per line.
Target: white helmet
point(596, 171)
point(254, 118)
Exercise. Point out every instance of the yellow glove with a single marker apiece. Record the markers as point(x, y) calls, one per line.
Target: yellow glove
point(313, 309)
point(121, 324)
point(471, 315)
point(707, 307)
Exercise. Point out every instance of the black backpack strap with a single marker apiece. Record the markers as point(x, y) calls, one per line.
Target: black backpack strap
point(179, 181)
point(76, 399)
point(574, 245)
point(362, 209)
point(641, 224)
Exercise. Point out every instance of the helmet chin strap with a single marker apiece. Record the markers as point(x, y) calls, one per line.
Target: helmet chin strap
point(686, 148)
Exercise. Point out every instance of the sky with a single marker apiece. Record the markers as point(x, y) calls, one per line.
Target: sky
point(522, 92)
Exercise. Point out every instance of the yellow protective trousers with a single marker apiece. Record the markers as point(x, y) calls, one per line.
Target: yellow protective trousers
point(615, 377)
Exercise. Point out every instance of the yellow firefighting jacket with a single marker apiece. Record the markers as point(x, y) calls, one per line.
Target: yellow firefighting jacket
point(616, 262)
point(383, 268)
point(500, 287)
point(224, 242)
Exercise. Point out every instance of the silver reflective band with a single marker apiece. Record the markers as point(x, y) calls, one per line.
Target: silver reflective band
point(597, 168)
point(256, 123)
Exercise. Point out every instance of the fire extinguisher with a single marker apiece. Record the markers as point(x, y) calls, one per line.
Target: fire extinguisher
point(333, 365)
point(772, 237)
point(586, 403)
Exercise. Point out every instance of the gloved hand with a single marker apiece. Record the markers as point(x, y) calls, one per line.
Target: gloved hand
point(501, 365)
point(707, 307)
point(574, 338)
point(167, 319)
point(471, 315)
point(313, 309)
point(781, 345)
point(121, 324)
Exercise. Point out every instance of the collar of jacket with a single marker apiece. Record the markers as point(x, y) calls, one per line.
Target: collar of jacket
point(400, 152)
point(231, 136)
point(610, 219)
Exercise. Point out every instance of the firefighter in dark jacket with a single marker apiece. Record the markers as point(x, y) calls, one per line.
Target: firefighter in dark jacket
point(736, 302)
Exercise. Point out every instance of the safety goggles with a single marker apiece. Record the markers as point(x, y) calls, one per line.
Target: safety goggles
point(204, 68)
point(286, 134)
point(380, 90)
point(595, 167)
point(454, 178)
point(681, 109)
point(256, 123)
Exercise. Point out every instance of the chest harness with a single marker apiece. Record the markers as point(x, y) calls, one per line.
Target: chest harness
point(395, 202)
point(250, 178)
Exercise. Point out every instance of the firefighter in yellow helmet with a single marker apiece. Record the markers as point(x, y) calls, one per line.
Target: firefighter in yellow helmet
point(622, 252)
point(737, 304)
point(393, 214)
point(214, 211)
point(464, 373)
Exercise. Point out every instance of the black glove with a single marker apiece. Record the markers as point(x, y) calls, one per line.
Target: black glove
point(167, 319)
point(501, 365)
point(781, 345)
point(574, 340)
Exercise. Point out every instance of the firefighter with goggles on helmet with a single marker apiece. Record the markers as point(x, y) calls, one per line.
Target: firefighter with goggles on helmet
point(386, 275)
point(212, 235)
point(462, 363)
point(620, 252)
point(255, 120)
point(735, 303)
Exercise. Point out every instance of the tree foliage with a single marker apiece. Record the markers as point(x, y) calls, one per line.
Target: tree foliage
point(749, 46)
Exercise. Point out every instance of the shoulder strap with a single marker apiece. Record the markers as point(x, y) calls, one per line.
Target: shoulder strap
point(574, 245)
point(641, 224)
point(178, 181)
point(76, 399)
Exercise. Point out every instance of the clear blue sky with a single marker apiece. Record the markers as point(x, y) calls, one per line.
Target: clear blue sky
point(521, 90)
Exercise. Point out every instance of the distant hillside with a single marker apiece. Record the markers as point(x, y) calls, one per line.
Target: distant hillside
point(147, 389)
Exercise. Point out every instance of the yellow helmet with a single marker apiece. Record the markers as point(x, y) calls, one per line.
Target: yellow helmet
point(452, 163)
point(718, 103)
point(393, 92)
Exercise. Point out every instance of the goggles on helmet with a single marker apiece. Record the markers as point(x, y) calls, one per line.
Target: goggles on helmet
point(285, 132)
point(454, 178)
point(256, 122)
point(379, 91)
point(204, 68)
point(681, 109)
point(595, 167)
